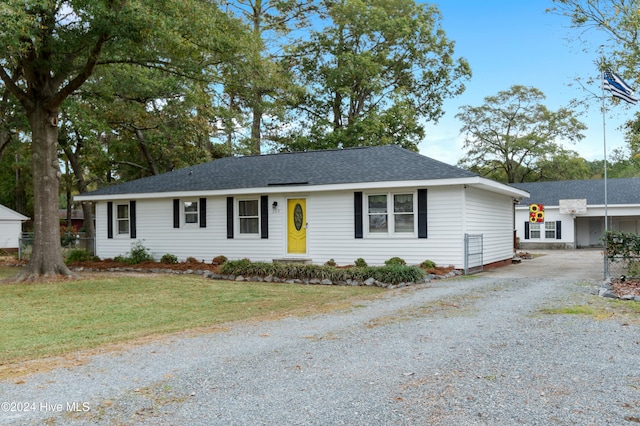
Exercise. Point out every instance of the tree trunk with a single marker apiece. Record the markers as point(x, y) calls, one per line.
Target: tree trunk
point(256, 138)
point(46, 258)
point(89, 229)
point(144, 149)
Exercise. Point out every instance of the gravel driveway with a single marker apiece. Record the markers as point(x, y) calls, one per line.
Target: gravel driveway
point(473, 350)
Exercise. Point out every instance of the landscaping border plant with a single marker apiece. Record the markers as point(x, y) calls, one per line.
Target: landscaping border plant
point(390, 274)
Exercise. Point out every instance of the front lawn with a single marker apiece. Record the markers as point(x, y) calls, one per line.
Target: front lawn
point(52, 319)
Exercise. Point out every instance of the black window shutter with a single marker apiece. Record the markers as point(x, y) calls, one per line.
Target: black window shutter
point(109, 219)
point(357, 214)
point(526, 230)
point(176, 213)
point(558, 230)
point(229, 217)
point(203, 212)
point(264, 217)
point(422, 213)
point(132, 219)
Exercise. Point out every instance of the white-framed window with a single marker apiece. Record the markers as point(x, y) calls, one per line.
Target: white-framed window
point(534, 230)
point(377, 211)
point(249, 217)
point(122, 219)
point(391, 213)
point(550, 230)
point(403, 217)
point(191, 215)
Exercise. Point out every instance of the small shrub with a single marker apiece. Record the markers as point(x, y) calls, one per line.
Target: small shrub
point(191, 259)
point(68, 237)
point(139, 253)
point(360, 263)
point(395, 261)
point(330, 262)
point(236, 267)
point(80, 255)
point(168, 259)
point(394, 274)
point(428, 264)
point(219, 260)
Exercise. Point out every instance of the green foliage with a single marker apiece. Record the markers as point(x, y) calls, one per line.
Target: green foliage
point(330, 262)
point(428, 264)
point(392, 274)
point(169, 259)
point(395, 261)
point(46, 60)
point(633, 268)
point(107, 309)
point(360, 263)
point(623, 245)
point(80, 255)
point(511, 136)
point(68, 237)
point(375, 73)
point(138, 254)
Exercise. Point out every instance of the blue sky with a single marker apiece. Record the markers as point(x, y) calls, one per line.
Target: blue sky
point(509, 42)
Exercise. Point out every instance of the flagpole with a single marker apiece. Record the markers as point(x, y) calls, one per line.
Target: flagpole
point(618, 88)
point(606, 213)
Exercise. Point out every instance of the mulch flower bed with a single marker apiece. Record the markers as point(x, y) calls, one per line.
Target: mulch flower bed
point(626, 286)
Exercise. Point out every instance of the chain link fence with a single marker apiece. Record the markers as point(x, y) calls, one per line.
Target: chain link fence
point(618, 266)
point(68, 242)
point(473, 253)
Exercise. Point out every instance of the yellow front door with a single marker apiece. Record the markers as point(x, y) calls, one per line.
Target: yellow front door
point(297, 226)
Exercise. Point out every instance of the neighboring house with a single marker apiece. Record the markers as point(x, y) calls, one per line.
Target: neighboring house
point(372, 203)
point(77, 219)
point(574, 212)
point(10, 227)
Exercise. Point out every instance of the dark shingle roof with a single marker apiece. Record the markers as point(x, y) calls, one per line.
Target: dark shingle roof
point(619, 191)
point(355, 165)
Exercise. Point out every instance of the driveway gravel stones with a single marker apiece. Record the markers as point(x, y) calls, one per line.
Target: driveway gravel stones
point(463, 351)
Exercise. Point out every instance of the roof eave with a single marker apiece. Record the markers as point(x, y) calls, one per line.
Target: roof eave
point(476, 181)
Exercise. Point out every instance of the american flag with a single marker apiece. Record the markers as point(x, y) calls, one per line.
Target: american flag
point(618, 88)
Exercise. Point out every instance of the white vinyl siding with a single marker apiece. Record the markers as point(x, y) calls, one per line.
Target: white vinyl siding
point(491, 215)
point(330, 230)
point(10, 233)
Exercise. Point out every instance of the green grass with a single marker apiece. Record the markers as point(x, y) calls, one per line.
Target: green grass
point(53, 319)
point(600, 308)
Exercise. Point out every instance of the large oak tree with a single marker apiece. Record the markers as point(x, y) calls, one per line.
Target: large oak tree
point(52, 47)
point(513, 134)
point(375, 73)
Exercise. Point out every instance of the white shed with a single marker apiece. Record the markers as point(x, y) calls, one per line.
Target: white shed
point(10, 227)
point(372, 203)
